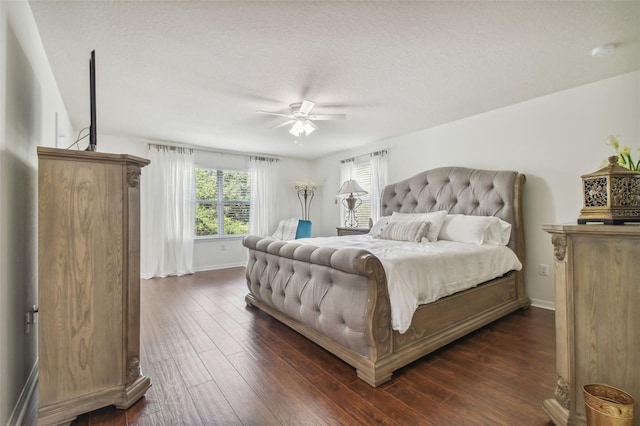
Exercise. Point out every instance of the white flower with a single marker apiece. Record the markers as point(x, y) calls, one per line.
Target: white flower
point(624, 153)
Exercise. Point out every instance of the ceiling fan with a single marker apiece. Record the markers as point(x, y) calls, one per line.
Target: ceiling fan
point(302, 119)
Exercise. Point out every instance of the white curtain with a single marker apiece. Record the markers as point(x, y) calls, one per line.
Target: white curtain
point(346, 170)
point(167, 212)
point(379, 179)
point(264, 193)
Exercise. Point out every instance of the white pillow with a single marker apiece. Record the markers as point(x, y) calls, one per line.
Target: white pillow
point(405, 231)
point(475, 229)
point(379, 226)
point(435, 218)
point(498, 233)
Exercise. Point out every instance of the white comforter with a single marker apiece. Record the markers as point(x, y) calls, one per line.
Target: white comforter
point(419, 273)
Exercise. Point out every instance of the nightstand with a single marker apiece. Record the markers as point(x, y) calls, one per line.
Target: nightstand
point(352, 231)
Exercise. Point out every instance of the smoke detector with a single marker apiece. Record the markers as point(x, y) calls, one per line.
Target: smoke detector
point(604, 50)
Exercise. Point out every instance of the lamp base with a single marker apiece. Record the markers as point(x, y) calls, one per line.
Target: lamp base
point(351, 203)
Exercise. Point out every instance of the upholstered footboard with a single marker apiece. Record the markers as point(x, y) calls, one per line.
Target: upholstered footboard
point(336, 297)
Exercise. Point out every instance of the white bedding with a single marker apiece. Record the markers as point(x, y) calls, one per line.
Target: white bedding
point(419, 273)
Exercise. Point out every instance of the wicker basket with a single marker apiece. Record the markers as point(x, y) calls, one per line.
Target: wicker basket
point(607, 406)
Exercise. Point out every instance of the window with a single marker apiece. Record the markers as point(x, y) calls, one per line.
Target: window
point(362, 174)
point(370, 171)
point(222, 202)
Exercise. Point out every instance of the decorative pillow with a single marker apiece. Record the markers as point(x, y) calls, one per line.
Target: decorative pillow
point(405, 231)
point(475, 229)
point(435, 218)
point(286, 229)
point(379, 226)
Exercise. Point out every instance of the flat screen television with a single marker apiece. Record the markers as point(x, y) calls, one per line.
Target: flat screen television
point(93, 135)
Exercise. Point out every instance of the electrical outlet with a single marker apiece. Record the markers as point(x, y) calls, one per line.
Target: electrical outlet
point(543, 269)
point(28, 320)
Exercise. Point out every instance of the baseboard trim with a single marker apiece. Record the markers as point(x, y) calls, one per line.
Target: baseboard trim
point(214, 267)
point(22, 405)
point(544, 304)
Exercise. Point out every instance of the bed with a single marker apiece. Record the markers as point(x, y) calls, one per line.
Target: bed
point(339, 297)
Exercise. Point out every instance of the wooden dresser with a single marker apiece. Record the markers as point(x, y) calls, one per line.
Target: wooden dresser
point(88, 283)
point(597, 299)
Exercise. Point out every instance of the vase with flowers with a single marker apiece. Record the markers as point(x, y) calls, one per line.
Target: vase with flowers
point(624, 153)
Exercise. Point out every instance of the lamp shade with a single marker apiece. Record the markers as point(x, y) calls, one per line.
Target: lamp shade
point(297, 128)
point(309, 127)
point(350, 187)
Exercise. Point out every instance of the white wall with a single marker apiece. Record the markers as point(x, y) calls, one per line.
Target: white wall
point(225, 252)
point(553, 140)
point(30, 103)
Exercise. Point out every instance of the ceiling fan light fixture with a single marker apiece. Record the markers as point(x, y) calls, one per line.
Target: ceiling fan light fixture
point(297, 128)
point(309, 127)
point(301, 117)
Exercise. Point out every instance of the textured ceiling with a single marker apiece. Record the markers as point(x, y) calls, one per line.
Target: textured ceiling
point(196, 72)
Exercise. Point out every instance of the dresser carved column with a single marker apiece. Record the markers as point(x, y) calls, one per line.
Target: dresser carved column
point(597, 300)
point(88, 283)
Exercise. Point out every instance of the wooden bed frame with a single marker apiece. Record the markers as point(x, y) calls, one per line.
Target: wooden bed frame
point(283, 276)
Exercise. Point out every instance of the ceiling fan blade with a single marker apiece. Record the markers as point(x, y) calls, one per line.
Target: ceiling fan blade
point(306, 107)
point(273, 113)
point(282, 124)
point(328, 116)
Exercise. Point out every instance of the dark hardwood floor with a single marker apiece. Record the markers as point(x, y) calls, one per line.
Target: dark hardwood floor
point(213, 361)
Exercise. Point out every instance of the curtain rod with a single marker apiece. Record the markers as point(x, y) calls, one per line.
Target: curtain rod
point(380, 152)
point(169, 147)
point(215, 151)
point(259, 158)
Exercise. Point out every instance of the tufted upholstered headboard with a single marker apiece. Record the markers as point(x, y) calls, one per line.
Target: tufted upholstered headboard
point(461, 190)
